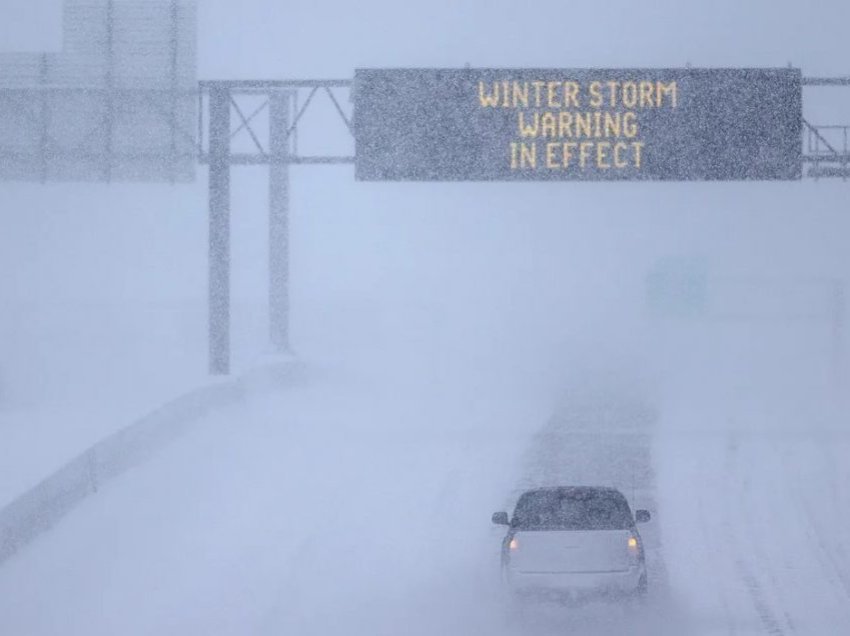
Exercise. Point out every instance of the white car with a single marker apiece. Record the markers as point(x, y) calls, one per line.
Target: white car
point(573, 542)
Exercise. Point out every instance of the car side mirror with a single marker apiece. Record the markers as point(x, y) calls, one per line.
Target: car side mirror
point(642, 516)
point(500, 518)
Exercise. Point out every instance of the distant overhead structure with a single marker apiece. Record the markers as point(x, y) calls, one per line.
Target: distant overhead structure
point(681, 287)
point(678, 286)
point(122, 102)
point(118, 103)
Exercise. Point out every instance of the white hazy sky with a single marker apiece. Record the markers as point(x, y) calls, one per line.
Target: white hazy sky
point(277, 38)
point(330, 37)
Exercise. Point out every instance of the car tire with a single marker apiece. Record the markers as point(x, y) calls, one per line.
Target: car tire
point(642, 587)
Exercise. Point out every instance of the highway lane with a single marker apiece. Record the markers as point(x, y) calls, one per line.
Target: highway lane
point(359, 507)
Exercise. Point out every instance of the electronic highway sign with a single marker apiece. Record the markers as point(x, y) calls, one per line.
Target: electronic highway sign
point(578, 124)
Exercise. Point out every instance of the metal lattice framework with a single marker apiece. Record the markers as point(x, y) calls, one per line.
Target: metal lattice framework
point(826, 151)
point(283, 104)
point(250, 100)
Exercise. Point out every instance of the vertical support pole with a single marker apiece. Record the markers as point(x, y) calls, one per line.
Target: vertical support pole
point(838, 313)
point(219, 255)
point(200, 149)
point(109, 118)
point(44, 117)
point(174, 36)
point(279, 122)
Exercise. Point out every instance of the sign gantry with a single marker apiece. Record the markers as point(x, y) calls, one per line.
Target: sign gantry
point(424, 124)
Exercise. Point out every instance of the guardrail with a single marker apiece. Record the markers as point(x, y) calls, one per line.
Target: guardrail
point(43, 506)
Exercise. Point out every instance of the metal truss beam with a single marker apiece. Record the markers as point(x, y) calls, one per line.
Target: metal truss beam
point(249, 159)
point(242, 91)
point(236, 86)
point(826, 81)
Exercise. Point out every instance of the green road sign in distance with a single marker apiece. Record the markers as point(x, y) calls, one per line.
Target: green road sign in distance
point(578, 124)
point(678, 286)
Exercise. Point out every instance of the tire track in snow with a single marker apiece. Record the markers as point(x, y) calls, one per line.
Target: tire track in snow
point(766, 614)
point(722, 593)
point(835, 482)
point(825, 556)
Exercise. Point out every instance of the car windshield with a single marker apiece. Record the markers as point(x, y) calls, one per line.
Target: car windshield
point(572, 510)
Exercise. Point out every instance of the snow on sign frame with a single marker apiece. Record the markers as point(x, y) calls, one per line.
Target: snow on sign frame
point(578, 124)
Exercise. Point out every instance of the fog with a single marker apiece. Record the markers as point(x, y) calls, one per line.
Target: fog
point(455, 345)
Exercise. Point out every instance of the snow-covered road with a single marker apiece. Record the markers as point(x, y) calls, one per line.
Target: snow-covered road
point(360, 508)
point(756, 529)
point(323, 510)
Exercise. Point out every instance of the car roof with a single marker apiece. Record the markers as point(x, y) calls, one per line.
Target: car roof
point(576, 490)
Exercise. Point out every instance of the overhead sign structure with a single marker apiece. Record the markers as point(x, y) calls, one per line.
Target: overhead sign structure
point(578, 124)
